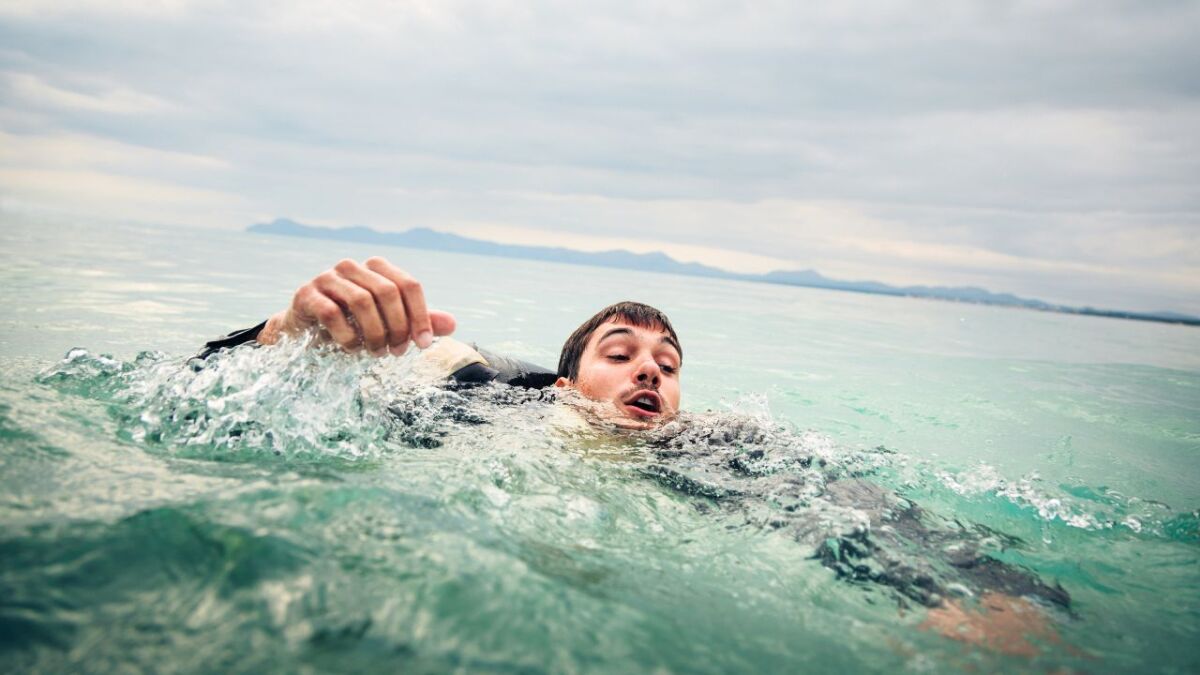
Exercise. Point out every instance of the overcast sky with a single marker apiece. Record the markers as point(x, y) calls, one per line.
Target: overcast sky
point(1050, 149)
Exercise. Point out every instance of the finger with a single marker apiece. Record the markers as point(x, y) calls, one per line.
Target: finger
point(328, 314)
point(419, 326)
point(387, 299)
point(442, 323)
point(359, 302)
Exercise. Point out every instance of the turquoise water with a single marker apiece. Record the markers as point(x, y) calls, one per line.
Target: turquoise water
point(271, 513)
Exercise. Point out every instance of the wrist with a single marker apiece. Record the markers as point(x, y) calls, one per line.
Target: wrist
point(272, 331)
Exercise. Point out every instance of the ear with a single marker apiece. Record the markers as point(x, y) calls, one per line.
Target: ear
point(562, 382)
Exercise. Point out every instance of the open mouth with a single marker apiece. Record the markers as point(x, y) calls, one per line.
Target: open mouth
point(644, 403)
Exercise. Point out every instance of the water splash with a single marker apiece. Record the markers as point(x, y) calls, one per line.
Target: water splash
point(294, 399)
point(319, 403)
point(1076, 506)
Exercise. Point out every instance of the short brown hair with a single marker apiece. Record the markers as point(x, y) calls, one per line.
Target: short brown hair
point(632, 313)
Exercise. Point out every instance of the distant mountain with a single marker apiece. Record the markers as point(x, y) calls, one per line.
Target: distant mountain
point(425, 238)
point(441, 241)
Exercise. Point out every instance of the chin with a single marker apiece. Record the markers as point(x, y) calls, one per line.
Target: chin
point(630, 424)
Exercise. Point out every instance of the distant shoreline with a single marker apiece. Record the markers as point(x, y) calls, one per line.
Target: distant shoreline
point(423, 238)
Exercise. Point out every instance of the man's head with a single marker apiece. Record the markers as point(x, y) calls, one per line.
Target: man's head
point(627, 354)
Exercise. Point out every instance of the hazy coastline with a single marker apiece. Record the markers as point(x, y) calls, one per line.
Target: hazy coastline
point(425, 238)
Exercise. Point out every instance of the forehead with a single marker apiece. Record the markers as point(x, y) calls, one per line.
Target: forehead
point(627, 330)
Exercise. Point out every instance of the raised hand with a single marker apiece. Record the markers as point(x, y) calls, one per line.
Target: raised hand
point(374, 305)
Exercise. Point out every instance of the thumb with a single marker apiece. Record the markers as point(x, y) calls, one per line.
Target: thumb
point(443, 322)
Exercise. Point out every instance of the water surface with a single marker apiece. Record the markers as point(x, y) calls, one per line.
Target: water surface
point(270, 512)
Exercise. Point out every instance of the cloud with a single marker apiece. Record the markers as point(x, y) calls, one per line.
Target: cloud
point(74, 8)
point(82, 191)
point(32, 91)
point(78, 150)
point(83, 174)
point(1046, 148)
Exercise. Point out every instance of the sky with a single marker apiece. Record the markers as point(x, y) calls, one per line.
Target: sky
point(1049, 149)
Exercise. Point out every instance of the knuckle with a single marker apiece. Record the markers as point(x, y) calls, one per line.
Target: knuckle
point(387, 292)
point(360, 300)
point(345, 265)
point(311, 293)
point(411, 285)
point(328, 314)
point(377, 261)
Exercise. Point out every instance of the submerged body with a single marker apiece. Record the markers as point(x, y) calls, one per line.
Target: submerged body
point(621, 369)
point(743, 468)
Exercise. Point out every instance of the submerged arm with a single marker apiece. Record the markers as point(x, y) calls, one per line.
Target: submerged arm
point(1005, 607)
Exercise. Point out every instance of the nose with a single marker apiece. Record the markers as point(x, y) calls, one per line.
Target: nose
point(648, 373)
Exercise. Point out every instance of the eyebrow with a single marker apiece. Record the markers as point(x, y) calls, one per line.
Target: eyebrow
point(625, 331)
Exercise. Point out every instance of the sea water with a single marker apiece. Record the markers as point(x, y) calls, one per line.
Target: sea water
point(306, 510)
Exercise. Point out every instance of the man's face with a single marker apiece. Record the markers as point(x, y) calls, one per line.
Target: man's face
point(636, 369)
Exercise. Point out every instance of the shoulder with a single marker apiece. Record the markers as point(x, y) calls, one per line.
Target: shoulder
point(467, 364)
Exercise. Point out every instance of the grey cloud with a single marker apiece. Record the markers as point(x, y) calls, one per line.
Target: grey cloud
point(1043, 130)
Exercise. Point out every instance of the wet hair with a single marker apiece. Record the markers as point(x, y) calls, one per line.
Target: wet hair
point(632, 313)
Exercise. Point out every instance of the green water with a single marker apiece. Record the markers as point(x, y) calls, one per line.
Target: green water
point(270, 514)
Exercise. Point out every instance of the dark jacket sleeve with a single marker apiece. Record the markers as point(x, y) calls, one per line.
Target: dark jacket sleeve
point(498, 368)
point(518, 373)
point(234, 339)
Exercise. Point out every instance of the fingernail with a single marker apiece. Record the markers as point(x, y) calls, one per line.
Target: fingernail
point(424, 339)
point(398, 350)
point(379, 352)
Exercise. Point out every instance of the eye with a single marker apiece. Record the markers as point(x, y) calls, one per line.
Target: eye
point(667, 368)
point(618, 357)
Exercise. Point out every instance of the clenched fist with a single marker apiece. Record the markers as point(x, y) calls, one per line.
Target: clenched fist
point(374, 305)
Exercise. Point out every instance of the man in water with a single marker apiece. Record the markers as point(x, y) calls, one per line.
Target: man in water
point(625, 363)
point(626, 358)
